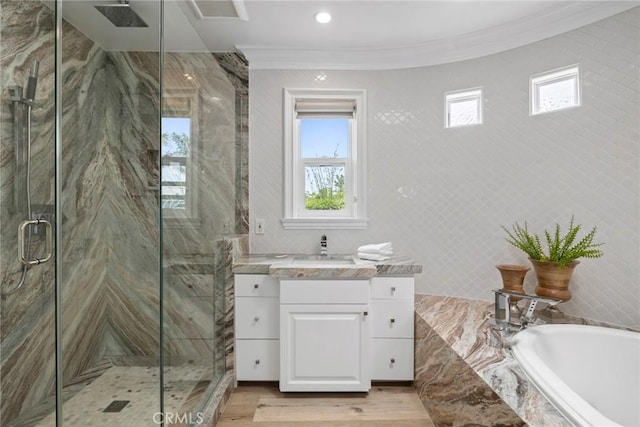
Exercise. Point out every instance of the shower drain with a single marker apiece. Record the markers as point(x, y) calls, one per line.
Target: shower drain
point(116, 406)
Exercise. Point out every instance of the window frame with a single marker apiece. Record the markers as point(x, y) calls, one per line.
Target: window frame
point(295, 214)
point(450, 97)
point(553, 76)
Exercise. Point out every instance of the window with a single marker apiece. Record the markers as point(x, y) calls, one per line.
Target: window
point(325, 169)
point(463, 108)
point(555, 90)
point(178, 150)
point(176, 136)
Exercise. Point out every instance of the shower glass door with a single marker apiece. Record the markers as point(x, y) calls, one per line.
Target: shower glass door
point(113, 256)
point(110, 281)
point(198, 201)
point(27, 168)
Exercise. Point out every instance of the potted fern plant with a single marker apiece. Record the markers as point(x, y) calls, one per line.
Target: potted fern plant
point(554, 266)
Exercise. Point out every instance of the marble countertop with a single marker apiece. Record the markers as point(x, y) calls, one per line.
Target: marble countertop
point(464, 325)
point(334, 266)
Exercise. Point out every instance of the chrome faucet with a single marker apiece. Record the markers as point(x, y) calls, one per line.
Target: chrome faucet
point(505, 320)
point(323, 245)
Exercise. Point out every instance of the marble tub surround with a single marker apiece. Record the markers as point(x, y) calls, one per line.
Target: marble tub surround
point(294, 266)
point(463, 374)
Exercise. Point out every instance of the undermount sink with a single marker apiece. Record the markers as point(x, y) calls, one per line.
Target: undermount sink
point(322, 260)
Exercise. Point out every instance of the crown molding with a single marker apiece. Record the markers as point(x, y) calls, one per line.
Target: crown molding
point(472, 45)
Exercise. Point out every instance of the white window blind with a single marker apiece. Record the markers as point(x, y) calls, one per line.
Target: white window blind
point(325, 108)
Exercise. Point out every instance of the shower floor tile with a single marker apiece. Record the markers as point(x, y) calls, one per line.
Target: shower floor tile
point(138, 385)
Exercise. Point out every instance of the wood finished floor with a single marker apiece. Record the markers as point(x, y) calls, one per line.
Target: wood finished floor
point(263, 405)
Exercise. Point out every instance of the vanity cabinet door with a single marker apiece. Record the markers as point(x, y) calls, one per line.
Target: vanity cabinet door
point(325, 347)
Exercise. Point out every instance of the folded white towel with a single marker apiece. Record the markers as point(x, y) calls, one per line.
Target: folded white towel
point(372, 257)
point(377, 248)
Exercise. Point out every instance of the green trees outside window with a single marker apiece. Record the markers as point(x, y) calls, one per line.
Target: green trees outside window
point(324, 187)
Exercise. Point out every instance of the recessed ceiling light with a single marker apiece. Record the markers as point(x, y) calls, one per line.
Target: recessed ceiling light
point(322, 17)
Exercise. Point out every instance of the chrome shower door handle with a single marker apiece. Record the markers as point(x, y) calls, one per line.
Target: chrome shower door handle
point(21, 239)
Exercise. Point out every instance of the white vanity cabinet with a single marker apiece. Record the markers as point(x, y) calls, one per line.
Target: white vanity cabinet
point(257, 329)
point(324, 334)
point(392, 301)
point(325, 339)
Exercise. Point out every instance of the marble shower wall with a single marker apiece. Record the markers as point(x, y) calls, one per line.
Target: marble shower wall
point(110, 225)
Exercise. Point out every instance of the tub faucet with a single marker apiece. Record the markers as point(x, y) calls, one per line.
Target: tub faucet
point(505, 321)
point(323, 245)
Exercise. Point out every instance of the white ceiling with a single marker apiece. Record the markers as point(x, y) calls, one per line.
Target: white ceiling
point(363, 34)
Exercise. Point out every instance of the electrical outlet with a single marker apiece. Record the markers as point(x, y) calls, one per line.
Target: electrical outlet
point(259, 226)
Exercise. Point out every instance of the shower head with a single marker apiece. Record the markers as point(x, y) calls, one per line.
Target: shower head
point(121, 15)
point(32, 82)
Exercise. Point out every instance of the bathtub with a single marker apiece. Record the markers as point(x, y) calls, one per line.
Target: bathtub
point(590, 374)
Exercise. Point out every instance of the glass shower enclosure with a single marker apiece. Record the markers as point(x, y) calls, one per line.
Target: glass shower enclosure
point(118, 179)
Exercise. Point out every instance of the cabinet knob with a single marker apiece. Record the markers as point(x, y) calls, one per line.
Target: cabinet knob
point(392, 320)
point(366, 313)
point(256, 286)
point(393, 289)
point(255, 319)
point(393, 360)
point(257, 361)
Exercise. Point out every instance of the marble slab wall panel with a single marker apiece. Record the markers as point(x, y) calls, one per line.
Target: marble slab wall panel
point(27, 371)
point(110, 232)
point(237, 68)
point(226, 250)
point(234, 247)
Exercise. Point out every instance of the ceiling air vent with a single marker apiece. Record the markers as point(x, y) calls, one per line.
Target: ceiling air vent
point(208, 9)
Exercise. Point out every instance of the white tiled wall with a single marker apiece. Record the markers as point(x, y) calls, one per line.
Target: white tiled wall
point(440, 195)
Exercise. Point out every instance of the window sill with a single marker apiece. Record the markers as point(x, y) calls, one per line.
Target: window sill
point(324, 223)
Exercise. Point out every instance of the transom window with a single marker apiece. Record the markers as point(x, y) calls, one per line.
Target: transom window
point(463, 108)
point(324, 159)
point(555, 90)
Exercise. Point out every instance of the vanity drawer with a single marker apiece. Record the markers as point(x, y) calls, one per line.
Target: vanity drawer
point(257, 317)
point(392, 318)
point(256, 285)
point(258, 360)
point(324, 291)
point(392, 359)
point(392, 287)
